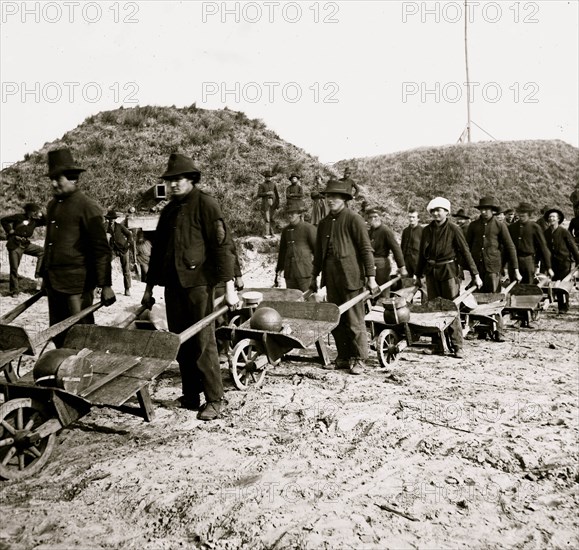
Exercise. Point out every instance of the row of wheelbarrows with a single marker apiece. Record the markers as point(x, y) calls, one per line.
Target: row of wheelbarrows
point(107, 366)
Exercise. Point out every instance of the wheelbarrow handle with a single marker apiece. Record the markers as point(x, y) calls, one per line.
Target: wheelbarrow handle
point(459, 299)
point(570, 275)
point(366, 294)
point(50, 332)
point(200, 325)
point(131, 317)
point(509, 288)
point(20, 308)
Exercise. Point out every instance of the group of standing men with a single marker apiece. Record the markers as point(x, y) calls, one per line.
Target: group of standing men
point(193, 252)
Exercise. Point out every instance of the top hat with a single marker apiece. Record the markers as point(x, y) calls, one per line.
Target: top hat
point(461, 213)
point(60, 161)
point(339, 188)
point(438, 202)
point(293, 176)
point(111, 215)
point(557, 211)
point(525, 207)
point(180, 165)
point(295, 205)
point(488, 202)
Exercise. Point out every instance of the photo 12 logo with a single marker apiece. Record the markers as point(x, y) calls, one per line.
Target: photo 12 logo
point(271, 92)
point(269, 12)
point(69, 12)
point(71, 92)
point(454, 12)
point(455, 92)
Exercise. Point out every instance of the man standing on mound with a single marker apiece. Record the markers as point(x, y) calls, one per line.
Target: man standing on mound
point(343, 255)
point(191, 253)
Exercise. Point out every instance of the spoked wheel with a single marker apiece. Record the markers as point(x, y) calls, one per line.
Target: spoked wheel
point(19, 458)
point(235, 321)
point(386, 347)
point(244, 370)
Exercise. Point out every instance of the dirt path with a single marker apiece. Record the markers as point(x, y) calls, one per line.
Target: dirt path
point(438, 453)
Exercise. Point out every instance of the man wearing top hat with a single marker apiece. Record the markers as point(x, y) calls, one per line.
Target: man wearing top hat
point(190, 255)
point(269, 195)
point(383, 242)
point(19, 229)
point(343, 255)
point(77, 256)
point(563, 251)
point(121, 241)
point(296, 248)
point(442, 243)
point(530, 244)
point(294, 190)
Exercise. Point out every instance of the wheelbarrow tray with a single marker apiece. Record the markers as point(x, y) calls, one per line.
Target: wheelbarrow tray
point(277, 294)
point(437, 314)
point(524, 298)
point(304, 323)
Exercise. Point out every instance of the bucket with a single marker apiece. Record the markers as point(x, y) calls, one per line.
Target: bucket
point(396, 311)
point(63, 368)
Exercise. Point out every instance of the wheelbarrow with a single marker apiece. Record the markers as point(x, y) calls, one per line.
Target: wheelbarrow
point(304, 324)
point(16, 342)
point(484, 317)
point(104, 367)
point(558, 291)
point(525, 302)
point(426, 327)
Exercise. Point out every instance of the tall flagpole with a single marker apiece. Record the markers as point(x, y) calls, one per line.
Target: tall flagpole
point(468, 124)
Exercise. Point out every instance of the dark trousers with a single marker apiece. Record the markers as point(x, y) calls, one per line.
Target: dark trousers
point(411, 263)
point(527, 269)
point(302, 283)
point(61, 306)
point(561, 270)
point(14, 258)
point(144, 271)
point(449, 290)
point(350, 334)
point(126, 268)
point(198, 359)
point(492, 284)
point(383, 270)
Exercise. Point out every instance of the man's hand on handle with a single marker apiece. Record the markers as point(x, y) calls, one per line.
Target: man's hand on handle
point(108, 297)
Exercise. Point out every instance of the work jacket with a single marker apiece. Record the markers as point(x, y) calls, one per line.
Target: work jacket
point(529, 240)
point(190, 242)
point(121, 237)
point(561, 245)
point(296, 250)
point(488, 241)
point(410, 242)
point(22, 228)
point(383, 242)
point(77, 255)
point(345, 236)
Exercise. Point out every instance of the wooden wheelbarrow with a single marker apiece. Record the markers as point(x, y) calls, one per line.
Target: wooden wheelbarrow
point(558, 291)
point(426, 327)
point(99, 366)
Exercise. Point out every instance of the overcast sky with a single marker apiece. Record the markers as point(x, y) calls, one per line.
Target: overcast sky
point(339, 79)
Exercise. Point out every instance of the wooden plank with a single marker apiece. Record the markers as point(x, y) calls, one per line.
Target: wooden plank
point(12, 338)
point(146, 404)
point(322, 351)
point(20, 308)
point(157, 344)
point(10, 355)
point(308, 311)
point(122, 365)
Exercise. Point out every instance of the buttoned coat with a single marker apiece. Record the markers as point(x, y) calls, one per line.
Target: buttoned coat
point(296, 249)
point(347, 233)
point(488, 240)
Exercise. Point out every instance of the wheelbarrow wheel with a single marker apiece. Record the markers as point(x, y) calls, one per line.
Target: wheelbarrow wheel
point(235, 321)
point(386, 347)
point(243, 367)
point(19, 458)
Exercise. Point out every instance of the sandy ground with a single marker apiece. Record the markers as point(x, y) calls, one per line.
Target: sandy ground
point(437, 453)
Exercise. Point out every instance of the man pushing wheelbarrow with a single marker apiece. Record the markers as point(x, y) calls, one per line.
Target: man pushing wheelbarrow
point(190, 255)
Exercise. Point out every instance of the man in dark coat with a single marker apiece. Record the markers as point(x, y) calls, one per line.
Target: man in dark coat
point(77, 256)
point(462, 219)
point(190, 255)
point(347, 179)
point(121, 241)
point(294, 190)
point(296, 249)
point(530, 244)
point(410, 242)
point(19, 229)
point(344, 258)
point(319, 207)
point(383, 242)
point(441, 244)
point(488, 240)
point(269, 195)
point(563, 251)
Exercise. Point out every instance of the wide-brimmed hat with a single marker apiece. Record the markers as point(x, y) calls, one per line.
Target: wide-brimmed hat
point(111, 215)
point(372, 210)
point(339, 188)
point(293, 176)
point(461, 213)
point(550, 211)
point(60, 161)
point(267, 174)
point(295, 205)
point(525, 207)
point(438, 202)
point(488, 202)
point(180, 165)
